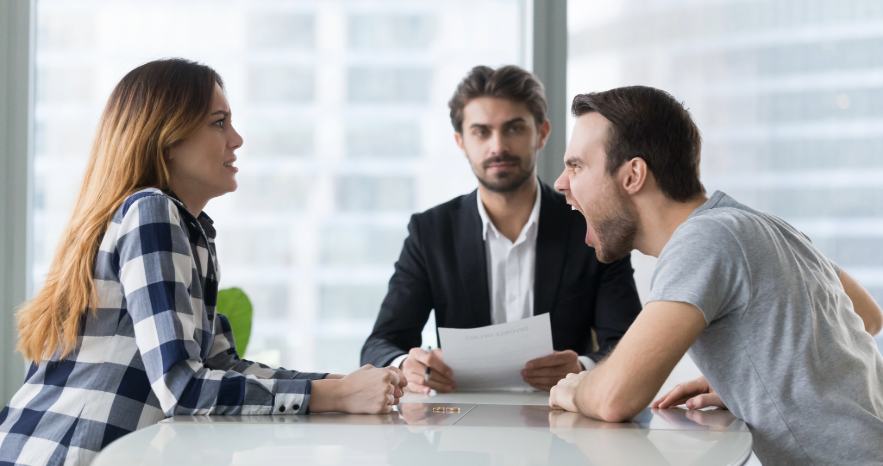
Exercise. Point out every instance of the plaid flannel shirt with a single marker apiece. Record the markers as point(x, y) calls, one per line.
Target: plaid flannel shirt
point(154, 347)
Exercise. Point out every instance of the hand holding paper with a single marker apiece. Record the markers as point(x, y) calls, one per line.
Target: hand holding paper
point(492, 357)
point(545, 372)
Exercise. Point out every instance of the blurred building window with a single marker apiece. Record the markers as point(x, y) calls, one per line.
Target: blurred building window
point(365, 194)
point(383, 138)
point(400, 84)
point(280, 84)
point(283, 137)
point(392, 31)
point(281, 30)
point(343, 108)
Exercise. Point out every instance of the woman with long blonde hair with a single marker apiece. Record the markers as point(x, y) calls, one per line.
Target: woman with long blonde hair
point(125, 332)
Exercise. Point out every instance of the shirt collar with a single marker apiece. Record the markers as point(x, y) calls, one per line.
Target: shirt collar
point(487, 223)
point(204, 220)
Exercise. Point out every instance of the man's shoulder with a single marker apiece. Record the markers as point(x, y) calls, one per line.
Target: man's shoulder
point(443, 210)
point(722, 233)
point(713, 225)
point(740, 223)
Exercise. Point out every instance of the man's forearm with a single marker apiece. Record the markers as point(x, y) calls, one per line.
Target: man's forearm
point(596, 398)
point(380, 351)
point(862, 303)
point(626, 382)
point(583, 399)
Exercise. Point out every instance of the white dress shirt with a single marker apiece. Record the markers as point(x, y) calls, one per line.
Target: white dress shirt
point(510, 266)
point(511, 269)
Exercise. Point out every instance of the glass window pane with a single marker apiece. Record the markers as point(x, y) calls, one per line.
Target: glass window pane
point(383, 138)
point(280, 84)
point(384, 31)
point(281, 30)
point(402, 84)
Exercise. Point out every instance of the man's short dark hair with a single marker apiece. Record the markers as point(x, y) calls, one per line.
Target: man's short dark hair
point(649, 123)
point(507, 82)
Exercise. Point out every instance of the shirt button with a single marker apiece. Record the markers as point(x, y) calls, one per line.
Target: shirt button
point(295, 407)
point(282, 409)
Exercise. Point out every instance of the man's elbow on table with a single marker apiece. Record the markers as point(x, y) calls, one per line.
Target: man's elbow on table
point(614, 406)
point(618, 410)
point(613, 413)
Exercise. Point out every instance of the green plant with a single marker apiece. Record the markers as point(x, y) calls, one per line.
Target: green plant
point(234, 303)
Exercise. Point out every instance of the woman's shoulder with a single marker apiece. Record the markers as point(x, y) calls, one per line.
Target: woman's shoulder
point(150, 205)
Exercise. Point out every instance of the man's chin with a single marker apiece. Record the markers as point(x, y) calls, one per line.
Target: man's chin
point(506, 184)
point(605, 258)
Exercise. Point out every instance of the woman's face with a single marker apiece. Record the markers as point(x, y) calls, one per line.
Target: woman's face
point(201, 165)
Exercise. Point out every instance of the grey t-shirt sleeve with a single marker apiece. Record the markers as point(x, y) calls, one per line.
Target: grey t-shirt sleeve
point(703, 264)
point(836, 267)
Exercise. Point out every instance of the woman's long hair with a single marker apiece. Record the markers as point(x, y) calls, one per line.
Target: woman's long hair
point(154, 106)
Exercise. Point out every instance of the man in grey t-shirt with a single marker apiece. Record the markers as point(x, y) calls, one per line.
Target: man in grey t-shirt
point(781, 334)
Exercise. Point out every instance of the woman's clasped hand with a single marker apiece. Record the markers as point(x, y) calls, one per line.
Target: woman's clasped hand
point(368, 390)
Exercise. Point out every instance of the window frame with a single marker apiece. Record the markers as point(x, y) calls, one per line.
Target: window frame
point(17, 21)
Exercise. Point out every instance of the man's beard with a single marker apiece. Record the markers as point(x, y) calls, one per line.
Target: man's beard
point(616, 233)
point(507, 184)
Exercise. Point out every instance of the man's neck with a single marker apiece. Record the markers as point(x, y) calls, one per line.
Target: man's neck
point(659, 218)
point(509, 212)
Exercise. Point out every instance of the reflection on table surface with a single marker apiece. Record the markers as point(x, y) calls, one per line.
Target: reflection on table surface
point(461, 414)
point(493, 397)
point(415, 414)
point(440, 433)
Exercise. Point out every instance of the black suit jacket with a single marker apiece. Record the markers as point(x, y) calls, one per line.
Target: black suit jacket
point(443, 266)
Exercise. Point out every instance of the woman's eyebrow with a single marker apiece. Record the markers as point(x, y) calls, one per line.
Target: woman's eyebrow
point(222, 112)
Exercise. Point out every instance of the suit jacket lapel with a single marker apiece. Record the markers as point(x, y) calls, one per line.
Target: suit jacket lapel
point(472, 260)
point(552, 240)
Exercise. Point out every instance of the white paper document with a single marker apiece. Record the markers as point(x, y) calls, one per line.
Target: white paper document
point(492, 357)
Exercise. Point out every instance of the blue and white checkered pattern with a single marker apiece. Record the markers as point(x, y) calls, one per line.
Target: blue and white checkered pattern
point(154, 347)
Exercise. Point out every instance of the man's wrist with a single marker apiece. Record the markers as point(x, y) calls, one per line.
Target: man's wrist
point(577, 398)
point(586, 363)
point(397, 362)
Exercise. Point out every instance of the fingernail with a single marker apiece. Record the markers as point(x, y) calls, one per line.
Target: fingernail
point(448, 388)
point(426, 390)
point(529, 365)
point(690, 404)
point(523, 372)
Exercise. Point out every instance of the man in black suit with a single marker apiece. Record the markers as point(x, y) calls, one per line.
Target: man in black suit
point(511, 249)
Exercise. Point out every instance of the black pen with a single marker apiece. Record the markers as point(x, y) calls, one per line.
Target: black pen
point(426, 375)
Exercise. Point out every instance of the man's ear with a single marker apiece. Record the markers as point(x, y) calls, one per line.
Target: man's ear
point(545, 130)
point(458, 137)
point(633, 174)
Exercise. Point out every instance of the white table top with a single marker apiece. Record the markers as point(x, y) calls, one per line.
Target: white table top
point(464, 429)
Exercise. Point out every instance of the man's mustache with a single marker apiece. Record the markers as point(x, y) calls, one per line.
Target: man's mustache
point(502, 158)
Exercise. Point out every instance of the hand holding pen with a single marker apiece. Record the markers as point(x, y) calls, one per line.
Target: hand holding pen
point(425, 369)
